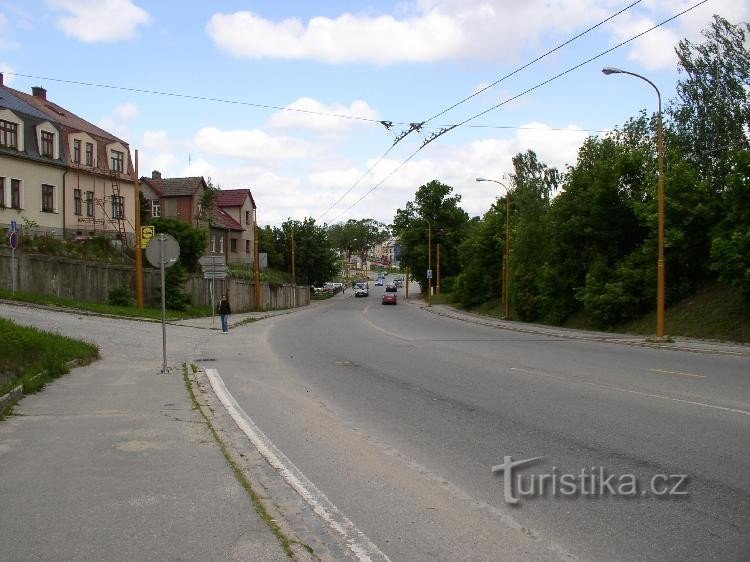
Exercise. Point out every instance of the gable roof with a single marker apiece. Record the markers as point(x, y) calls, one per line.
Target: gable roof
point(220, 218)
point(234, 197)
point(175, 187)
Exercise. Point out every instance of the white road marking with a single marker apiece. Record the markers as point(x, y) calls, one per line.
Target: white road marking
point(637, 392)
point(678, 373)
point(359, 544)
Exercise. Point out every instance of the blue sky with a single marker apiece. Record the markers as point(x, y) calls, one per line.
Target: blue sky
point(357, 62)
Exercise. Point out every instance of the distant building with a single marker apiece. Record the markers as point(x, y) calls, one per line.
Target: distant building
point(230, 226)
point(59, 174)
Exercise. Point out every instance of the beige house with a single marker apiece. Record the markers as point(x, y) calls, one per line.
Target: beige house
point(59, 174)
point(232, 221)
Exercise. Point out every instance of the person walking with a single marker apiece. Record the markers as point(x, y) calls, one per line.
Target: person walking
point(224, 311)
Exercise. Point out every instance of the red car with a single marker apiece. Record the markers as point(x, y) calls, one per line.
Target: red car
point(389, 298)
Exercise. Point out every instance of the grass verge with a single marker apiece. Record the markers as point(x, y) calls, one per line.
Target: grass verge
point(104, 308)
point(31, 358)
point(286, 542)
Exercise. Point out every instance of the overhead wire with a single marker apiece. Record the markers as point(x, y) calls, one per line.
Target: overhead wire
point(539, 85)
point(418, 126)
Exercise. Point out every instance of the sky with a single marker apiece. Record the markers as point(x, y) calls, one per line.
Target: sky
point(286, 98)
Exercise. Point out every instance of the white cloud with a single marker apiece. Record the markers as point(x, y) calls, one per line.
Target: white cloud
point(252, 145)
point(6, 43)
point(7, 72)
point(304, 113)
point(157, 140)
point(348, 38)
point(100, 21)
point(126, 111)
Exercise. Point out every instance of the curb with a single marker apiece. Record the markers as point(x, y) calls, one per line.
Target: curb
point(506, 325)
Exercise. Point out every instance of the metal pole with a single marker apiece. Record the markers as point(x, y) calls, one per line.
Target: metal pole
point(257, 267)
point(506, 259)
point(660, 268)
point(162, 237)
point(294, 277)
point(407, 281)
point(213, 290)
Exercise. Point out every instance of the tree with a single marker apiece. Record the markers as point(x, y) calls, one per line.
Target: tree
point(192, 241)
point(712, 113)
point(437, 212)
point(357, 236)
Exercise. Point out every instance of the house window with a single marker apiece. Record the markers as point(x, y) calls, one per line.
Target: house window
point(118, 207)
point(48, 198)
point(48, 141)
point(233, 245)
point(2, 193)
point(89, 203)
point(118, 161)
point(155, 208)
point(89, 154)
point(247, 217)
point(8, 134)
point(77, 202)
point(247, 246)
point(77, 151)
point(15, 194)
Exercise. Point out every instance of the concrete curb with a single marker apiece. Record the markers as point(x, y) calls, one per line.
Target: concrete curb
point(692, 346)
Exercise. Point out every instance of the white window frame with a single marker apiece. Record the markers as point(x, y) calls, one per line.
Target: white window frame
point(54, 198)
point(155, 208)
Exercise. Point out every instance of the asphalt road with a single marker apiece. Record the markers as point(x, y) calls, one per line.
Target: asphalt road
point(398, 416)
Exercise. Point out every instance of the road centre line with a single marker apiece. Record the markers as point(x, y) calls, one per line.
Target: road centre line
point(677, 373)
point(357, 542)
point(636, 392)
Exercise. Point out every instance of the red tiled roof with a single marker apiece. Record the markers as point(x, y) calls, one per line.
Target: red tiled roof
point(175, 187)
point(220, 218)
point(234, 197)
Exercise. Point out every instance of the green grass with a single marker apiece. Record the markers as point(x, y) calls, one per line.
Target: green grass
point(104, 308)
point(714, 312)
point(32, 357)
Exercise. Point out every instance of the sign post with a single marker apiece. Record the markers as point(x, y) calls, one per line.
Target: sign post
point(163, 251)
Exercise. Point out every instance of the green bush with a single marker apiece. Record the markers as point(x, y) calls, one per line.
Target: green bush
point(121, 295)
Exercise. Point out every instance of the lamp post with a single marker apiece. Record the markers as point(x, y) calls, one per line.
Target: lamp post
point(506, 251)
point(660, 274)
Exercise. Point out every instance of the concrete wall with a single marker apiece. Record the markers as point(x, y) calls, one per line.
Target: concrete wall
point(92, 281)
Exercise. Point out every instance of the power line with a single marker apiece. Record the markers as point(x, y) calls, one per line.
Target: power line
point(442, 132)
point(418, 126)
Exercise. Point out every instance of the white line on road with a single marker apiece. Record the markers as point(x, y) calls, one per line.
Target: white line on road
point(678, 373)
point(629, 391)
point(361, 546)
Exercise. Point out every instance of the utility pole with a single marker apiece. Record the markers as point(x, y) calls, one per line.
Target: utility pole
point(429, 264)
point(437, 285)
point(256, 258)
point(294, 277)
point(138, 249)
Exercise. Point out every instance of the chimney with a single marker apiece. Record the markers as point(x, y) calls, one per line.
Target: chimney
point(156, 175)
point(1, 78)
point(39, 92)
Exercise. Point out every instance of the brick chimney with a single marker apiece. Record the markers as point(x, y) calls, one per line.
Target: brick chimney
point(156, 175)
point(1, 78)
point(39, 92)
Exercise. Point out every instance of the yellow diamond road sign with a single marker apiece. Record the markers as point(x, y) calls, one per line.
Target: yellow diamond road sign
point(147, 233)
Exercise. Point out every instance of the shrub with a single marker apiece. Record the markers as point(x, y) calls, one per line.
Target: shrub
point(121, 295)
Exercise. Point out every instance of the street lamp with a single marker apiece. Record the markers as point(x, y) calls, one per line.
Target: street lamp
point(660, 275)
point(506, 251)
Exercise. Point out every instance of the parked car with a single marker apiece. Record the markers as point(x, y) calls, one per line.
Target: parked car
point(379, 282)
point(390, 297)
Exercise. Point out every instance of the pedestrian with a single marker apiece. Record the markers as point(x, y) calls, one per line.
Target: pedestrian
point(224, 311)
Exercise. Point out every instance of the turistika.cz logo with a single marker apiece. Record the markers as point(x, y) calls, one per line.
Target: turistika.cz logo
point(590, 482)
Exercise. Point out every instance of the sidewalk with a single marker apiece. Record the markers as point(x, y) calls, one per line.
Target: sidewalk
point(678, 343)
point(113, 462)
